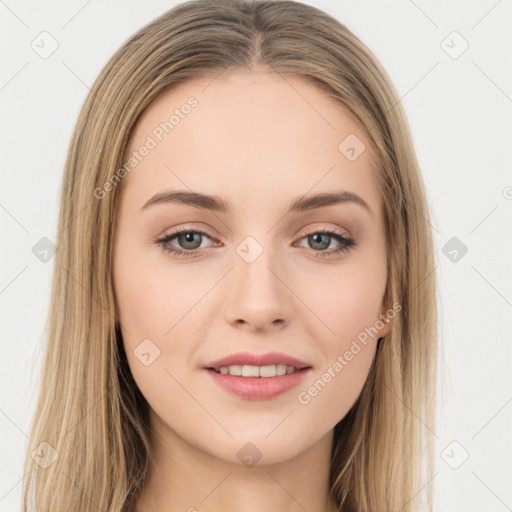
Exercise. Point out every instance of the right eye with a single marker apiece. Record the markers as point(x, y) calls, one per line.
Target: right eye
point(184, 236)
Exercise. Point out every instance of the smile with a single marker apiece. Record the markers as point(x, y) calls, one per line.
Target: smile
point(256, 371)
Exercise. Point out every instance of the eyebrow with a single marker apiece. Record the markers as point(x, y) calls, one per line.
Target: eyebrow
point(214, 203)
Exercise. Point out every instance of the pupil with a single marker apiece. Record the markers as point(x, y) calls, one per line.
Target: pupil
point(317, 240)
point(190, 238)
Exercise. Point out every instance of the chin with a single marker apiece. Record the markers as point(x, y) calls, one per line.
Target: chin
point(250, 450)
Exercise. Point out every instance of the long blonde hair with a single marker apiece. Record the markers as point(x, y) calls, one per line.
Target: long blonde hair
point(89, 443)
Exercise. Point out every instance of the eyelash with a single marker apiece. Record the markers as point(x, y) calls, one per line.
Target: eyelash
point(347, 243)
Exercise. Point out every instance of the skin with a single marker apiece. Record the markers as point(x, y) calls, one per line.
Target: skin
point(257, 141)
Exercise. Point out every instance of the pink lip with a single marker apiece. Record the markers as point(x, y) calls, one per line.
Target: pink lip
point(258, 388)
point(268, 359)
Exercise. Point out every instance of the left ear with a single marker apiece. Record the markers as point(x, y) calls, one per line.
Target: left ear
point(384, 322)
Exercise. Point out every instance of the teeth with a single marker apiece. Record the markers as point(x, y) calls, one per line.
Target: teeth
point(251, 371)
point(256, 371)
point(235, 370)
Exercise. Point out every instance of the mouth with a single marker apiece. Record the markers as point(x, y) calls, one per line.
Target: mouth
point(252, 371)
point(258, 376)
point(253, 383)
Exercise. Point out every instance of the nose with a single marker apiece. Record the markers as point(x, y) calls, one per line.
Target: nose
point(258, 295)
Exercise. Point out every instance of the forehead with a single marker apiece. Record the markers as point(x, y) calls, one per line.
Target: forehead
point(248, 135)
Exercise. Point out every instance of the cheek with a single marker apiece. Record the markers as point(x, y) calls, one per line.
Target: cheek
point(152, 296)
point(345, 297)
point(145, 317)
point(326, 399)
point(136, 297)
point(343, 303)
point(348, 346)
point(348, 302)
point(157, 303)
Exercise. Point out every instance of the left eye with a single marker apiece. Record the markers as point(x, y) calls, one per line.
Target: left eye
point(322, 240)
point(190, 240)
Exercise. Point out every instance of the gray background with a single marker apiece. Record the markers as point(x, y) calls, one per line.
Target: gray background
point(459, 106)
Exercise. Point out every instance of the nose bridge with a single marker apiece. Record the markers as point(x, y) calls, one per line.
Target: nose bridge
point(256, 263)
point(259, 296)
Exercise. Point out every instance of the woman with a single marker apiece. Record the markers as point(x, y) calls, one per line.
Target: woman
point(243, 310)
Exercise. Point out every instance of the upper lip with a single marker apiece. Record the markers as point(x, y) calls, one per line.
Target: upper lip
point(268, 359)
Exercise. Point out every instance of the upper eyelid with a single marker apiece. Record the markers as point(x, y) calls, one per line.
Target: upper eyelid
point(338, 231)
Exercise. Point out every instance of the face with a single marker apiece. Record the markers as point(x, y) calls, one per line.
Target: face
point(196, 283)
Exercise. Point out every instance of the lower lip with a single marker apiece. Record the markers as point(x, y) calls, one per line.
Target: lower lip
point(259, 388)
